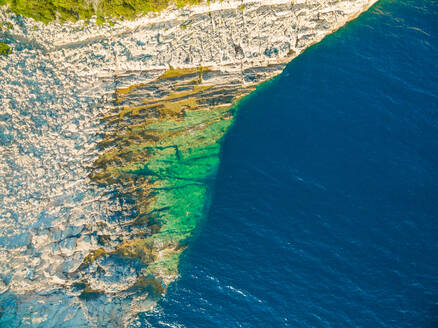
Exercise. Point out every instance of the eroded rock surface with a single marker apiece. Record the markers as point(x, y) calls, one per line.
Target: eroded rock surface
point(109, 141)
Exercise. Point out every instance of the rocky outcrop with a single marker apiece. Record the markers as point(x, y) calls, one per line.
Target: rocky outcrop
point(110, 140)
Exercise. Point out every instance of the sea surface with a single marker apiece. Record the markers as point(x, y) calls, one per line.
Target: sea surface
point(325, 208)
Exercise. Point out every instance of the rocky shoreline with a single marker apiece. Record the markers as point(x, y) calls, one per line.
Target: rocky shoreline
point(112, 135)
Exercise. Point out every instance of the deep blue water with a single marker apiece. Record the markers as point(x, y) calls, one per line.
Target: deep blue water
point(325, 211)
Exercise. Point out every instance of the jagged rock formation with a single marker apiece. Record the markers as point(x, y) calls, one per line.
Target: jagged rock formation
point(109, 141)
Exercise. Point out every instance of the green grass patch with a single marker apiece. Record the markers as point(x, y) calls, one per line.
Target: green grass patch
point(72, 10)
point(5, 49)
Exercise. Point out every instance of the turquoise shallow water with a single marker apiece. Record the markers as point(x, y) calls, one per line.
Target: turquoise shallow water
point(325, 207)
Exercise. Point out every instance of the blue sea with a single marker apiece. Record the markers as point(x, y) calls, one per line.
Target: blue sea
point(325, 208)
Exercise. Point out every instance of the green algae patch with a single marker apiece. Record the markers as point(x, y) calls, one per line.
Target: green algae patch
point(140, 249)
point(122, 92)
point(72, 10)
point(91, 257)
point(5, 49)
point(178, 72)
point(89, 294)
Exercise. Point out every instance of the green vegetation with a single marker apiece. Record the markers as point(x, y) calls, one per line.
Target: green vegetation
point(72, 10)
point(6, 25)
point(5, 49)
